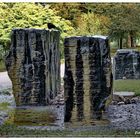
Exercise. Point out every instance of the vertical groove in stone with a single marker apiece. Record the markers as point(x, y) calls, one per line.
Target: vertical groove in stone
point(68, 84)
point(79, 84)
point(14, 44)
point(138, 65)
point(32, 44)
point(44, 66)
point(47, 73)
point(58, 77)
point(50, 68)
point(27, 72)
point(56, 50)
point(40, 67)
point(34, 55)
point(95, 77)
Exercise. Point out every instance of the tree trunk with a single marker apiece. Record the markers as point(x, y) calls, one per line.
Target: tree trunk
point(132, 40)
point(120, 43)
point(129, 41)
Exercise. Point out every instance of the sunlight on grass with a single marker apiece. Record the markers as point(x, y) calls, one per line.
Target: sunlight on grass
point(127, 85)
point(2, 66)
point(62, 61)
point(4, 106)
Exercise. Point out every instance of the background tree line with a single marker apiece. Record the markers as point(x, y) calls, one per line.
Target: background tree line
point(121, 22)
point(118, 21)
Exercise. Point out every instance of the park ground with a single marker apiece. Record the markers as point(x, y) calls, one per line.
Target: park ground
point(9, 129)
point(79, 19)
point(13, 131)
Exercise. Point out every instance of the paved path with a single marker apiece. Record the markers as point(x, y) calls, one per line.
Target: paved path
point(5, 81)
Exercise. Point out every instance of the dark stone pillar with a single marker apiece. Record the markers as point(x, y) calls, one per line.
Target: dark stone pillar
point(33, 65)
point(88, 77)
point(127, 64)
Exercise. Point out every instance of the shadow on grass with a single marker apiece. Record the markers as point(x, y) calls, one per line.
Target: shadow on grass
point(14, 131)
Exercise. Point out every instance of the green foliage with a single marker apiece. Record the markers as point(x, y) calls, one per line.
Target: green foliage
point(4, 106)
point(2, 66)
point(31, 16)
point(124, 18)
point(119, 21)
point(69, 11)
point(91, 24)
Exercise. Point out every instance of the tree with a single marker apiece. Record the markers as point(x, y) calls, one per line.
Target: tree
point(69, 11)
point(125, 20)
point(31, 16)
point(92, 24)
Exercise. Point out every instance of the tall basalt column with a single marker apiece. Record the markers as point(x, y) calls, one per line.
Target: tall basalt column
point(88, 77)
point(33, 65)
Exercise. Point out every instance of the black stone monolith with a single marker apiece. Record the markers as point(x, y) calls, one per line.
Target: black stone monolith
point(88, 77)
point(127, 64)
point(33, 65)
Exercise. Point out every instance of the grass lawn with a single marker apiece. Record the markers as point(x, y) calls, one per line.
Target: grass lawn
point(127, 85)
point(2, 66)
point(62, 61)
point(14, 131)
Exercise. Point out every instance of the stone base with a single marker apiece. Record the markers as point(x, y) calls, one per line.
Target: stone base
point(39, 116)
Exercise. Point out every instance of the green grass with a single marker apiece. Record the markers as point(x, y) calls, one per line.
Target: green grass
point(127, 85)
point(4, 106)
point(114, 50)
point(14, 131)
point(2, 66)
point(138, 48)
point(33, 117)
point(62, 61)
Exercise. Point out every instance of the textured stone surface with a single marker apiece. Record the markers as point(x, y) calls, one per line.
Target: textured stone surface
point(33, 65)
point(125, 117)
point(88, 77)
point(127, 64)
